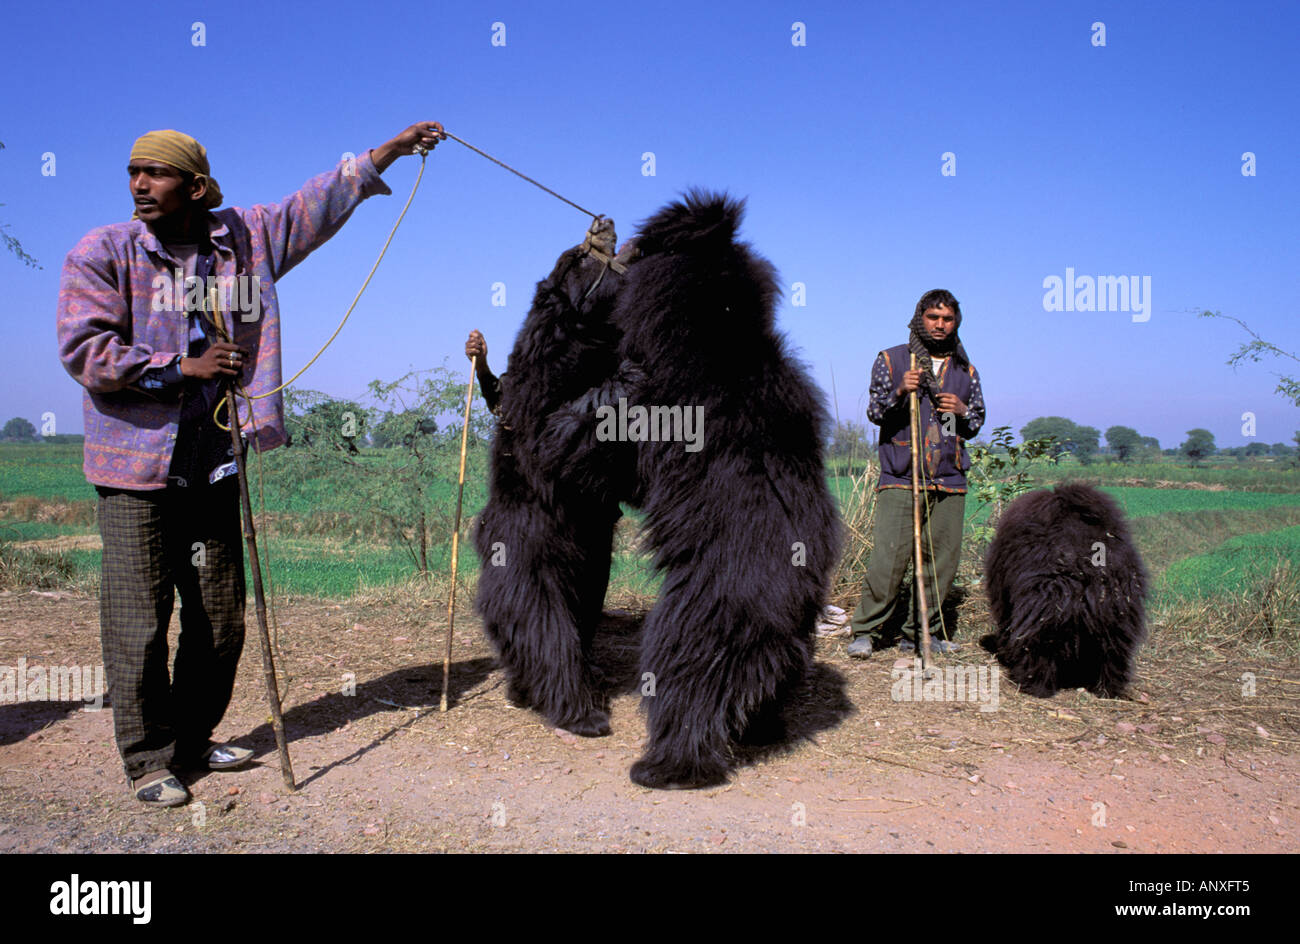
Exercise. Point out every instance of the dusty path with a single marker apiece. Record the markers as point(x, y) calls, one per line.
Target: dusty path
point(1186, 770)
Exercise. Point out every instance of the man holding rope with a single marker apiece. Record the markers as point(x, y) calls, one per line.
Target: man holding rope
point(133, 331)
point(951, 406)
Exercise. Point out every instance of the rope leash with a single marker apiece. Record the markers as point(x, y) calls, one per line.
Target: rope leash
point(518, 174)
point(423, 152)
point(347, 314)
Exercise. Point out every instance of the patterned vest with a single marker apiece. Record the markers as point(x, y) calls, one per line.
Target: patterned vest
point(943, 451)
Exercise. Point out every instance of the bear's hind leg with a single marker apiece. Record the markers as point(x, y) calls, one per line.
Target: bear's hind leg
point(531, 616)
point(719, 667)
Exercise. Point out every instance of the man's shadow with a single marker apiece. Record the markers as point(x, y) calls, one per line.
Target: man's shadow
point(20, 720)
point(414, 690)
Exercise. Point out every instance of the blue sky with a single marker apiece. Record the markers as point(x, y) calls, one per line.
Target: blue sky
point(1123, 159)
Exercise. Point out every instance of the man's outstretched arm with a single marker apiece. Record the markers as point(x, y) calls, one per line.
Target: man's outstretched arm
point(300, 223)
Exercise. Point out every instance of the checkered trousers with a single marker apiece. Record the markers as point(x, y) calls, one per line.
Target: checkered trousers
point(155, 543)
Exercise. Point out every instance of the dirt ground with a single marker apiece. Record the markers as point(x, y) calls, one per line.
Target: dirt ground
point(1193, 763)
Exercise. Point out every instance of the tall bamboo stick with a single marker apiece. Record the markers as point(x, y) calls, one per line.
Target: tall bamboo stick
point(254, 564)
point(924, 642)
point(455, 538)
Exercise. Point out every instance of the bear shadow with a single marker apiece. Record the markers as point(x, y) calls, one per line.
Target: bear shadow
point(819, 703)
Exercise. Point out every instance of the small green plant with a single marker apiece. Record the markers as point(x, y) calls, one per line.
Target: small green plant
point(1001, 471)
point(402, 489)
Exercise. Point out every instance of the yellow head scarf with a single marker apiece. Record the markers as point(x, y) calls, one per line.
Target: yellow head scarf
point(182, 152)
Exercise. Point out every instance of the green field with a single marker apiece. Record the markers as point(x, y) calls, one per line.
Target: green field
point(37, 530)
point(44, 470)
point(322, 542)
point(1255, 475)
point(1235, 566)
point(1147, 502)
point(319, 543)
point(1140, 502)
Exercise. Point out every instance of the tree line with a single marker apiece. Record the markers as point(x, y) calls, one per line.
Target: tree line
point(1085, 443)
point(21, 430)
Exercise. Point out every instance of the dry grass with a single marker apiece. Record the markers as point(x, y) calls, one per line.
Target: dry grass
point(858, 513)
point(32, 569)
point(418, 600)
point(1261, 620)
point(32, 508)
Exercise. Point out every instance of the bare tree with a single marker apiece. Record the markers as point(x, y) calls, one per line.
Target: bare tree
point(11, 242)
point(1256, 350)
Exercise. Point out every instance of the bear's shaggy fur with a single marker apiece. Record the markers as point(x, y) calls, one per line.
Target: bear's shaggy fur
point(544, 545)
point(1066, 616)
point(743, 526)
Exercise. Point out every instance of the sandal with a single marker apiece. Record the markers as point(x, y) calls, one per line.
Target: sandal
point(161, 789)
point(224, 757)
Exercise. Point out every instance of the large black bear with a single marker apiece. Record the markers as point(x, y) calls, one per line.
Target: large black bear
point(1067, 587)
point(544, 544)
point(728, 471)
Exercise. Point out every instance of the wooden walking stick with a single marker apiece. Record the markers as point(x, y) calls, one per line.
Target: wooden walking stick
point(455, 538)
point(924, 643)
point(254, 564)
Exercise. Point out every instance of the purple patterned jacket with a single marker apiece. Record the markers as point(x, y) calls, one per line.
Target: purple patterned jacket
point(111, 331)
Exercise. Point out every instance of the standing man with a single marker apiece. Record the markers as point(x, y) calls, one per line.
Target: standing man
point(134, 332)
point(952, 411)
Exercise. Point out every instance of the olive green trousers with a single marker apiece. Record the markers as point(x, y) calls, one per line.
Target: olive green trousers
point(942, 517)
